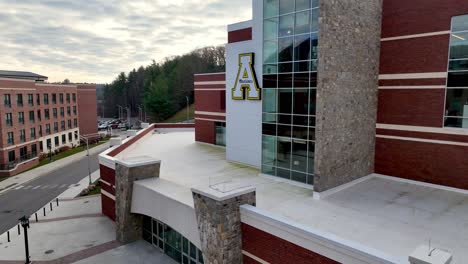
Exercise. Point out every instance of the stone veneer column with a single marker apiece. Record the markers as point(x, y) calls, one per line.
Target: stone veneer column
point(219, 223)
point(348, 70)
point(128, 225)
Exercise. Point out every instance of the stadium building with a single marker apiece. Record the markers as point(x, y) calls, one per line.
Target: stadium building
point(337, 134)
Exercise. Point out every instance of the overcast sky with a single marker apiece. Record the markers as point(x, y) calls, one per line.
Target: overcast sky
point(94, 40)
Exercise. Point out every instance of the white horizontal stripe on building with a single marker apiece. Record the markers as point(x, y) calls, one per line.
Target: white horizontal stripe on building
point(439, 130)
point(441, 142)
point(213, 73)
point(19, 89)
point(412, 87)
point(210, 82)
point(57, 85)
point(404, 76)
point(254, 257)
point(208, 119)
point(208, 89)
point(210, 113)
point(422, 35)
point(107, 194)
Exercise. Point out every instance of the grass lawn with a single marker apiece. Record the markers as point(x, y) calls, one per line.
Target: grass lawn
point(68, 153)
point(182, 115)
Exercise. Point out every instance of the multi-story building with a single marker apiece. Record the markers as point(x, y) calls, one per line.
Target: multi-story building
point(38, 117)
point(343, 134)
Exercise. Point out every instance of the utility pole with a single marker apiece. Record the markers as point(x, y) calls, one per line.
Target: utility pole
point(87, 155)
point(128, 116)
point(187, 108)
point(120, 111)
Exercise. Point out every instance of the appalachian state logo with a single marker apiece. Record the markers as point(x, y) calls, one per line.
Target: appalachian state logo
point(246, 85)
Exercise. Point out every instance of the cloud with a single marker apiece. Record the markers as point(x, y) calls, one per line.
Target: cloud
point(94, 40)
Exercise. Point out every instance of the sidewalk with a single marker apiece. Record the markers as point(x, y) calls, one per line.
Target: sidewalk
point(27, 176)
point(76, 232)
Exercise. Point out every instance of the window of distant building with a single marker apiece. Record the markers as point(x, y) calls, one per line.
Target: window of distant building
point(456, 106)
point(7, 100)
point(19, 99)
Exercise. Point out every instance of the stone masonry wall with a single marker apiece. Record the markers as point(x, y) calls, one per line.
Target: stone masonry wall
point(128, 225)
point(219, 226)
point(348, 68)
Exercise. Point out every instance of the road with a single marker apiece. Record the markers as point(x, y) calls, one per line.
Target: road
point(35, 194)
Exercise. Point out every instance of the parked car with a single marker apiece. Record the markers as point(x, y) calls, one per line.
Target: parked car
point(103, 126)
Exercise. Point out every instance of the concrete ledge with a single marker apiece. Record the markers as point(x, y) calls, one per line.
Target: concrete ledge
point(222, 196)
point(323, 243)
point(137, 161)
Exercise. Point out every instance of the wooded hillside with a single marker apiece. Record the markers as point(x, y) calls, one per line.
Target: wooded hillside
point(162, 87)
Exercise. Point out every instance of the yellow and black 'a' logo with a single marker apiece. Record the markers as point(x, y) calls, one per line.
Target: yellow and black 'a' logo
point(246, 85)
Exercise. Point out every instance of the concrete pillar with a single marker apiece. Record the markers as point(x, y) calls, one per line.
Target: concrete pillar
point(348, 70)
point(128, 225)
point(219, 223)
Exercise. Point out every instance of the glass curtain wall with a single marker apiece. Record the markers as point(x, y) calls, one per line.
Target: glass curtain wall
point(290, 34)
point(456, 106)
point(171, 242)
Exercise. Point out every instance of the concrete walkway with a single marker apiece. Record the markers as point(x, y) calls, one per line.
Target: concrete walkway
point(75, 232)
point(27, 176)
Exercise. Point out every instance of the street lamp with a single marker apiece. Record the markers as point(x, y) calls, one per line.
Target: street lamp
point(187, 108)
point(25, 224)
point(87, 155)
point(50, 151)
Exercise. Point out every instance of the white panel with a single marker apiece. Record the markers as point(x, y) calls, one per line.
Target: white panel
point(244, 117)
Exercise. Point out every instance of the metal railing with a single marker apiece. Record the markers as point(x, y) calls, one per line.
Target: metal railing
point(11, 165)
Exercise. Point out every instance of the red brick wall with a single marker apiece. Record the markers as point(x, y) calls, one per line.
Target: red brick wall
point(417, 107)
point(108, 207)
point(275, 250)
point(87, 109)
point(25, 87)
point(403, 17)
point(240, 35)
point(210, 97)
point(107, 174)
point(415, 55)
point(421, 161)
point(205, 131)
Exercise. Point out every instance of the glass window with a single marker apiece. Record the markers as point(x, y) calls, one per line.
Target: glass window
point(33, 133)
point(460, 23)
point(54, 98)
point(7, 99)
point(456, 105)
point(315, 20)
point(10, 138)
point(285, 49)
point(64, 139)
point(288, 101)
point(270, 29)
point(459, 46)
point(302, 5)
point(9, 119)
point(19, 99)
point(286, 25)
point(269, 150)
point(21, 117)
point(269, 100)
point(61, 97)
point(302, 47)
point(270, 52)
point(220, 133)
point(286, 6)
point(46, 99)
point(11, 156)
point(271, 8)
point(31, 99)
point(285, 101)
point(56, 141)
point(302, 22)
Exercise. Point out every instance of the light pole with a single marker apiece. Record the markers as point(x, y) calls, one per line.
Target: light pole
point(87, 155)
point(25, 224)
point(50, 151)
point(187, 108)
point(120, 111)
point(128, 115)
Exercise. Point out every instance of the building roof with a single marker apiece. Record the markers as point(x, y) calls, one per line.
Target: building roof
point(22, 75)
point(382, 213)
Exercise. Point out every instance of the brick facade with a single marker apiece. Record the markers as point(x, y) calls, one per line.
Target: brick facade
point(87, 109)
point(210, 105)
point(275, 250)
point(61, 102)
